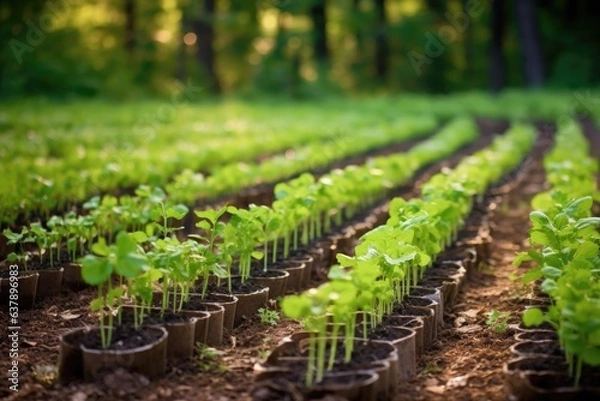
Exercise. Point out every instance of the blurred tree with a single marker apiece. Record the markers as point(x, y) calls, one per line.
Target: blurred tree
point(130, 26)
point(497, 73)
point(531, 52)
point(205, 33)
point(382, 47)
point(318, 15)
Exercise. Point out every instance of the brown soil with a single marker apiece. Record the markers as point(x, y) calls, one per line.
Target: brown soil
point(466, 347)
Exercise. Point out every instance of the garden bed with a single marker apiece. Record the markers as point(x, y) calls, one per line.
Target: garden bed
point(465, 362)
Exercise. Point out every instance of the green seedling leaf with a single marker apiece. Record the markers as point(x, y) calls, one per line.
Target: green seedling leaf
point(100, 248)
point(177, 212)
point(204, 225)
point(139, 236)
point(95, 270)
point(296, 306)
point(551, 272)
point(337, 272)
point(125, 244)
point(540, 219)
point(96, 305)
point(258, 255)
point(532, 275)
point(587, 222)
point(586, 250)
point(579, 207)
point(522, 257)
point(92, 203)
point(533, 317)
point(131, 265)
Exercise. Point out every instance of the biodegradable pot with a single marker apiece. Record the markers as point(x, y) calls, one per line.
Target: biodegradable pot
point(307, 275)
point(248, 304)
point(536, 335)
point(536, 348)
point(344, 242)
point(408, 322)
point(148, 359)
point(434, 294)
point(296, 270)
point(293, 353)
point(49, 282)
point(404, 340)
point(276, 282)
point(27, 290)
point(279, 384)
point(182, 334)
point(467, 255)
point(543, 378)
point(317, 252)
point(387, 383)
point(72, 277)
point(546, 386)
point(214, 329)
point(536, 364)
point(521, 328)
point(453, 270)
point(201, 326)
point(447, 286)
point(70, 357)
point(229, 304)
point(427, 316)
point(418, 302)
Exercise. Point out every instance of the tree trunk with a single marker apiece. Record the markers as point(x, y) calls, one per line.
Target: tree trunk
point(382, 46)
point(469, 71)
point(436, 77)
point(203, 27)
point(129, 26)
point(318, 15)
point(497, 67)
point(530, 42)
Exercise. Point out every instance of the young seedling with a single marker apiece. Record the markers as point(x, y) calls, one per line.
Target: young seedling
point(268, 317)
point(498, 321)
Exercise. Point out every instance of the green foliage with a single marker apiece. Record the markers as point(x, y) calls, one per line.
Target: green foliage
point(565, 248)
point(498, 321)
point(391, 258)
point(268, 316)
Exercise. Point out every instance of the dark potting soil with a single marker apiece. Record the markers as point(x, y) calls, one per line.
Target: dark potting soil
point(546, 348)
point(421, 292)
point(538, 336)
point(413, 301)
point(43, 263)
point(213, 297)
point(4, 274)
point(408, 311)
point(237, 287)
point(196, 304)
point(381, 333)
point(363, 354)
point(542, 363)
point(291, 386)
point(153, 317)
point(123, 338)
point(269, 273)
point(400, 321)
